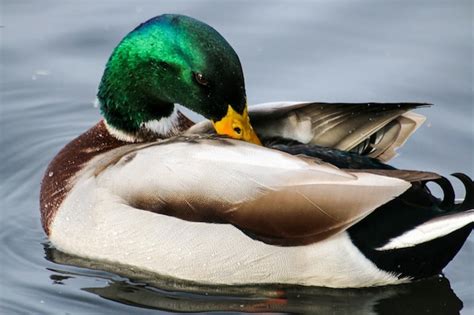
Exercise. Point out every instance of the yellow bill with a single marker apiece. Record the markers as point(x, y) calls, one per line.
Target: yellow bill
point(236, 126)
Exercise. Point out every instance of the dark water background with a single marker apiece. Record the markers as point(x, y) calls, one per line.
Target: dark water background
point(52, 57)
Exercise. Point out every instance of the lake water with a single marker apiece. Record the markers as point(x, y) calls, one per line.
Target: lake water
point(52, 58)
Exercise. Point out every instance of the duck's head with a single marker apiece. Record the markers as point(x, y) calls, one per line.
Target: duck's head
point(174, 59)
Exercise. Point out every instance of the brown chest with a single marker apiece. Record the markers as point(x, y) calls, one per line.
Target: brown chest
point(56, 182)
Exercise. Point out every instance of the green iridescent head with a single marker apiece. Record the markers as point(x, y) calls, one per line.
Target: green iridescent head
point(171, 59)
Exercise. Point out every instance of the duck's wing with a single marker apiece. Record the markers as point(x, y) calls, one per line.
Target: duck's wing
point(270, 195)
point(372, 129)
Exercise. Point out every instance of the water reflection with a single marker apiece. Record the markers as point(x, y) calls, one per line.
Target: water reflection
point(433, 296)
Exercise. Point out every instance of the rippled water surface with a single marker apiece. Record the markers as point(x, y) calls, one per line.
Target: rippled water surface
point(52, 57)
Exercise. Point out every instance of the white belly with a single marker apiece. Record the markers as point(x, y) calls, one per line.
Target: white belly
point(95, 224)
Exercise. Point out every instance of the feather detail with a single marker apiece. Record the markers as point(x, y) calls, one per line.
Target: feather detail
point(407, 175)
point(262, 191)
point(373, 129)
point(432, 229)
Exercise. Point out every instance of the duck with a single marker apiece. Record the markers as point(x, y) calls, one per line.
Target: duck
point(276, 193)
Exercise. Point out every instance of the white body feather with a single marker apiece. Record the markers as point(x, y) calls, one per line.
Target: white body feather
point(96, 220)
point(430, 230)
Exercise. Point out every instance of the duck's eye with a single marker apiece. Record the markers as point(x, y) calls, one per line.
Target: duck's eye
point(200, 79)
point(238, 130)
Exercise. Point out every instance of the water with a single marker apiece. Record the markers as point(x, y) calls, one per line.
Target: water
point(52, 57)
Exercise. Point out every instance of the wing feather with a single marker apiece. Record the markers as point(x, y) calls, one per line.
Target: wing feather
point(265, 192)
point(374, 129)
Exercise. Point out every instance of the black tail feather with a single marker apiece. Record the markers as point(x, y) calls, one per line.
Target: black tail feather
point(448, 203)
point(413, 208)
point(468, 202)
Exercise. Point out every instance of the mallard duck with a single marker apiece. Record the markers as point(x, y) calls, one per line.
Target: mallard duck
point(295, 192)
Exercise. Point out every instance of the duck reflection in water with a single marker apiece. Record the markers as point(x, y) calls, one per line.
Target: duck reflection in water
point(431, 296)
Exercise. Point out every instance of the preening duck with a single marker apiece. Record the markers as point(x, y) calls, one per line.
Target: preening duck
point(295, 192)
